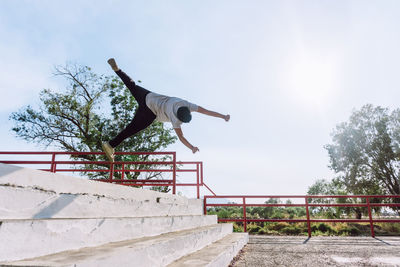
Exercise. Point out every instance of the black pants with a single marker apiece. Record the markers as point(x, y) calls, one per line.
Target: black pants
point(143, 117)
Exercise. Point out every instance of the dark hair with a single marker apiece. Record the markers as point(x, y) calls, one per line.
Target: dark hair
point(183, 114)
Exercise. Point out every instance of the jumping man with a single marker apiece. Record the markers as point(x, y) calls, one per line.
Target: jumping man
point(154, 106)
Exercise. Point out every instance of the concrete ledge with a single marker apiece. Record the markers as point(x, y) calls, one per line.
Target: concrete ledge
point(21, 239)
point(218, 254)
point(47, 195)
point(155, 251)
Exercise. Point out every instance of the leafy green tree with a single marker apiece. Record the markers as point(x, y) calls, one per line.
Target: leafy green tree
point(271, 212)
point(91, 109)
point(295, 212)
point(324, 187)
point(365, 152)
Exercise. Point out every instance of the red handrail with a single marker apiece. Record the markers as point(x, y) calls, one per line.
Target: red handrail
point(113, 167)
point(306, 204)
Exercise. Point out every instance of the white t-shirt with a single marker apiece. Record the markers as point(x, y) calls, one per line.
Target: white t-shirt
point(166, 108)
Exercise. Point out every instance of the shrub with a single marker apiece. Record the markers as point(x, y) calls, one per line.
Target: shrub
point(354, 231)
point(362, 227)
point(262, 231)
point(341, 228)
point(271, 232)
point(390, 228)
point(314, 228)
point(237, 228)
point(291, 230)
point(343, 231)
point(319, 233)
point(223, 214)
point(251, 228)
point(278, 226)
point(323, 227)
point(277, 215)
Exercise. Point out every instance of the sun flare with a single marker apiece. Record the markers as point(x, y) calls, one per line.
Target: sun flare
point(311, 82)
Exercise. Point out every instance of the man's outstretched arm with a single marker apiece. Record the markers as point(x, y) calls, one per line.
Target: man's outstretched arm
point(179, 133)
point(213, 113)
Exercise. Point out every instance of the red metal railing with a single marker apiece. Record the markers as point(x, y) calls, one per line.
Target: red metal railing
point(306, 205)
point(120, 167)
point(117, 167)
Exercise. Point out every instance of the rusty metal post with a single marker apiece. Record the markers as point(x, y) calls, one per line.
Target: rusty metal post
point(205, 205)
point(308, 218)
point(371, 223)
point(53, 163)
point(111, 171)
point(197, 181)
point(123, 172)
point(201, 171)
point(244, 215)
point(174, 173)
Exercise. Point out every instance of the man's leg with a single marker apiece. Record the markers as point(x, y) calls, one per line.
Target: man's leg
point(138, 92)
point(142, 119)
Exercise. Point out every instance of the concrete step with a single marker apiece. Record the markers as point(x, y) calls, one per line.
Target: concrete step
point(50, 195)
point(217, 254)
point(21, 239)
point(148, 251)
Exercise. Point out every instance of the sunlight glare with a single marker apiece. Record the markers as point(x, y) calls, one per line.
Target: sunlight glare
point(312, 82)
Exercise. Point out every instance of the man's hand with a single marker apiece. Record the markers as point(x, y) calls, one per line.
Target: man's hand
point(227, 117)
point(179, 133)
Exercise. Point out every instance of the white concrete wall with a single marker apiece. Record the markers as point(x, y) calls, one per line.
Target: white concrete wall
point(27, 193)
point(43, 213)
point(144, 252)
point(21, 239)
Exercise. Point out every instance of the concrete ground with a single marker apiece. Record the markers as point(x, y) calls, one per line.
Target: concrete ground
point(319, 251)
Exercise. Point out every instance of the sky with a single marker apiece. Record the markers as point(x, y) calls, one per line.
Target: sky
point(286, 71)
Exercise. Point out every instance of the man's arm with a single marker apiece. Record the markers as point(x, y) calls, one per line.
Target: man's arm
point(179, 133)
point(213, 113)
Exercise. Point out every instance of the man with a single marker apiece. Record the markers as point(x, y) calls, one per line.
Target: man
point(154, 106)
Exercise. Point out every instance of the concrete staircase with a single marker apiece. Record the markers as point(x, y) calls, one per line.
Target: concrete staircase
point(49, 219)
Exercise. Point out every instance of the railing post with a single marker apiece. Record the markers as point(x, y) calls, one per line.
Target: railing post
point(197, 183)
point(205, 205)
point(244, 215)
point(308, 218)
point(53, 163)
point(123, 172)
point(371, 223)
point(111, 171)
point(201, 171)
point(174, 173)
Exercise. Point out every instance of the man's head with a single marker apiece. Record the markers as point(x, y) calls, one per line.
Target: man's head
point(184, 115)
